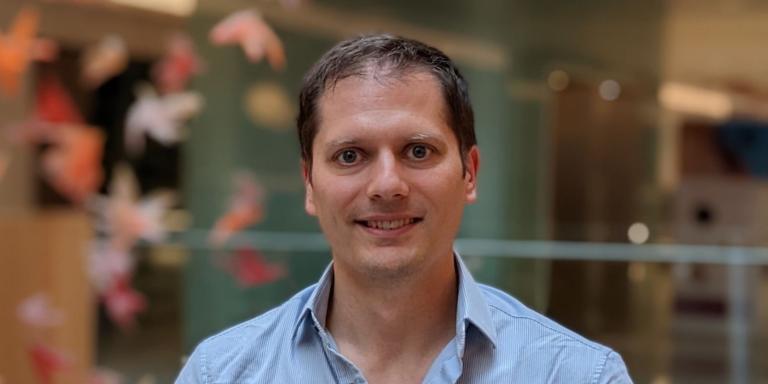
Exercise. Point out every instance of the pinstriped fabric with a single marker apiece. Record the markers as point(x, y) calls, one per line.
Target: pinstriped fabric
point(498, 340)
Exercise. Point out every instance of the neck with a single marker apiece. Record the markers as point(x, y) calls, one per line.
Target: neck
point(409, 321)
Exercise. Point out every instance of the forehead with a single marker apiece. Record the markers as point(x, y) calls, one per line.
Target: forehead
point(387, 103)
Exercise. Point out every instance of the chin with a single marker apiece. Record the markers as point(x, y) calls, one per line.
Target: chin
point(391, 264)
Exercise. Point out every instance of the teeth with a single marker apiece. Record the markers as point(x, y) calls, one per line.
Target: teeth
point(389, 224)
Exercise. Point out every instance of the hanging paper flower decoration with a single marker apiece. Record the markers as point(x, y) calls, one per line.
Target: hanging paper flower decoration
point(245, 209)
point(248, 29)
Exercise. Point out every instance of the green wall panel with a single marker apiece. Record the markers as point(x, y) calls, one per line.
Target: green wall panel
point(512, 133)
point(223, 140)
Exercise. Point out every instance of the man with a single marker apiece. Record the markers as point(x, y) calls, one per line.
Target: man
point(389, 160)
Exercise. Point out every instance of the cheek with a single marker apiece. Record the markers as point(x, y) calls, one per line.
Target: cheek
point(451, 198)
point(445, 187)
point(333, 195)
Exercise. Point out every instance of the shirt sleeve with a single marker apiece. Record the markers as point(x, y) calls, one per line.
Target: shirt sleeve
point(194, 370)
point(614, 371)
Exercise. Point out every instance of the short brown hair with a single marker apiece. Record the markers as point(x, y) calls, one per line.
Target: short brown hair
point(355, 57)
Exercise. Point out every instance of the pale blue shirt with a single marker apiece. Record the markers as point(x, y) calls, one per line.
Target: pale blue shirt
point(498, 340)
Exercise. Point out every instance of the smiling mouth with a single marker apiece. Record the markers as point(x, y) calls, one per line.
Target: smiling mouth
point(388, 225)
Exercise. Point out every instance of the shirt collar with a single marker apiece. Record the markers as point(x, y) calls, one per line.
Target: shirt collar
point(314, 311)
point(471, 307)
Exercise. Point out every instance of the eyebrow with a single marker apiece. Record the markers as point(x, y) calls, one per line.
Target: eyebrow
point(419, 137)
point(343, 143)
point(422, 137)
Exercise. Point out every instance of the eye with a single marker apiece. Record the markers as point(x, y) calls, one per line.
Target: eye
point(347, 157)
point(419, 151)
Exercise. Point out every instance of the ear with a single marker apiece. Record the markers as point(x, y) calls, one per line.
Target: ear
point(472, 165)
point(309, 203)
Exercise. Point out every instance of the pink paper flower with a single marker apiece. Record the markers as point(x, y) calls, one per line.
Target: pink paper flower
point(162, 118)
point(250, 269)
point(47, 361)
point(37, 311)
point(178, 65)
point(123, 304)
point(107, 264)
point(129, 219)
point(248, 29)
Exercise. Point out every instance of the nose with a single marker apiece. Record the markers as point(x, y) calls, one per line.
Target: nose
point(386, 181)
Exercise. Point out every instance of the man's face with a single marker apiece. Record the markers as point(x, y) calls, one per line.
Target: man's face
point(386, 180)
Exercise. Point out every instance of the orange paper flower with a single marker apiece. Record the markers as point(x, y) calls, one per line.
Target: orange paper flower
point(245, 209)
point(19, 46)
point(73, 165)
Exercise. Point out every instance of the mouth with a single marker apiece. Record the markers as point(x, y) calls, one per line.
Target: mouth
point(389, 225)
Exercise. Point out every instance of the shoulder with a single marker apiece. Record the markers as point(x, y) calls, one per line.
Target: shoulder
point(274, 323)
point(544, 344)
point(507, 312)
point(242, 350)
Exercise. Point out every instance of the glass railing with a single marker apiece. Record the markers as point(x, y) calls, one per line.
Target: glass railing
point(676, 313)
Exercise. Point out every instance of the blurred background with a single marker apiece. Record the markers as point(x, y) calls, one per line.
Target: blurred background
point(150, 192)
